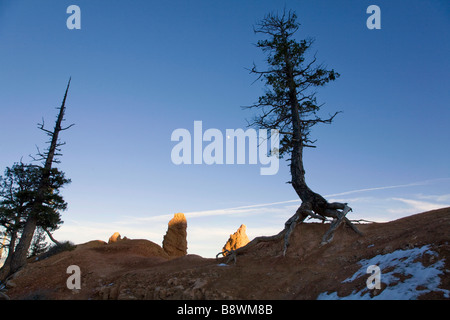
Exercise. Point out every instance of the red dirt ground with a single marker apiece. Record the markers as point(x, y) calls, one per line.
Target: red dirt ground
point(140, 269)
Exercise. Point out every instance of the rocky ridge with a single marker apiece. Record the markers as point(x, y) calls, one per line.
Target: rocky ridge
point(140, 269)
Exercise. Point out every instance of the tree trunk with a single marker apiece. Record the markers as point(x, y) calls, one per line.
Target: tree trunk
point(3, 245)
point(312, 200)
point(51, 237)
point(4, 270)
point(19, 258)
point(313, 204)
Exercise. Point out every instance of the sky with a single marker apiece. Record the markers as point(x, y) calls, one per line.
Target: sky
point(142, 69)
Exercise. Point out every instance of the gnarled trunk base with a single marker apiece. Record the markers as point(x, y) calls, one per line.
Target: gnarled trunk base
point(335, 210)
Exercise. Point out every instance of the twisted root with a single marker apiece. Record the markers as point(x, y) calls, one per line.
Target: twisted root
point(336, 210)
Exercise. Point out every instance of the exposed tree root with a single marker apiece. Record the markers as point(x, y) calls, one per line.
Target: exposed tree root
point(336, 210)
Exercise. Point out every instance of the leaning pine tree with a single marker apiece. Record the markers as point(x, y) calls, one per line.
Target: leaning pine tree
point(41, 214)
point(290, 106)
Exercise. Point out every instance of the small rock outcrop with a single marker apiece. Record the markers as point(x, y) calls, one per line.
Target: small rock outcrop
point(114, 238)
point(175, 240)
point(237, 239)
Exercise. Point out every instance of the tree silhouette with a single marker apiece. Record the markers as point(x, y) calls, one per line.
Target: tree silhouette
point(49, 179)
point(290, 106)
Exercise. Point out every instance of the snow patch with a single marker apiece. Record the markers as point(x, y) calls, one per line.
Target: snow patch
point(418, 279)
point(222, 265)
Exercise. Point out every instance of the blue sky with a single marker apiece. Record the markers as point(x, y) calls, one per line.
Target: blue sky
point(142, 69)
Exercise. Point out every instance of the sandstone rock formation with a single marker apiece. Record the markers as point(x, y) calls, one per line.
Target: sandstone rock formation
point(175, 242)
point(114, 238)
point(237, 239)
point(140, 269)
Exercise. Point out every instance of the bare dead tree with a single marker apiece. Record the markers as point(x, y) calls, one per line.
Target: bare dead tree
point(48, 157)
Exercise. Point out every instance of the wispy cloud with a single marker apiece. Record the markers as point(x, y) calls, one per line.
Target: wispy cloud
point(437, 198)
point(89, 230)
point(413, 184)
point(262, 207)
point(251, 208)
point(416, 206)
point(205, 236)
point(207, 213)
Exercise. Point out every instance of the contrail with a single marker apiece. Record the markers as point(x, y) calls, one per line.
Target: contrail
point(230, 210)
point(248, 208)
point(420, 183)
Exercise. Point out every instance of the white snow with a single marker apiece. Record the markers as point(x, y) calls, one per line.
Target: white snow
point(419, 279)
point(222, 265)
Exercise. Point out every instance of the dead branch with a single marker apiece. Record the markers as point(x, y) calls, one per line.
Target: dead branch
point(51, 236)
